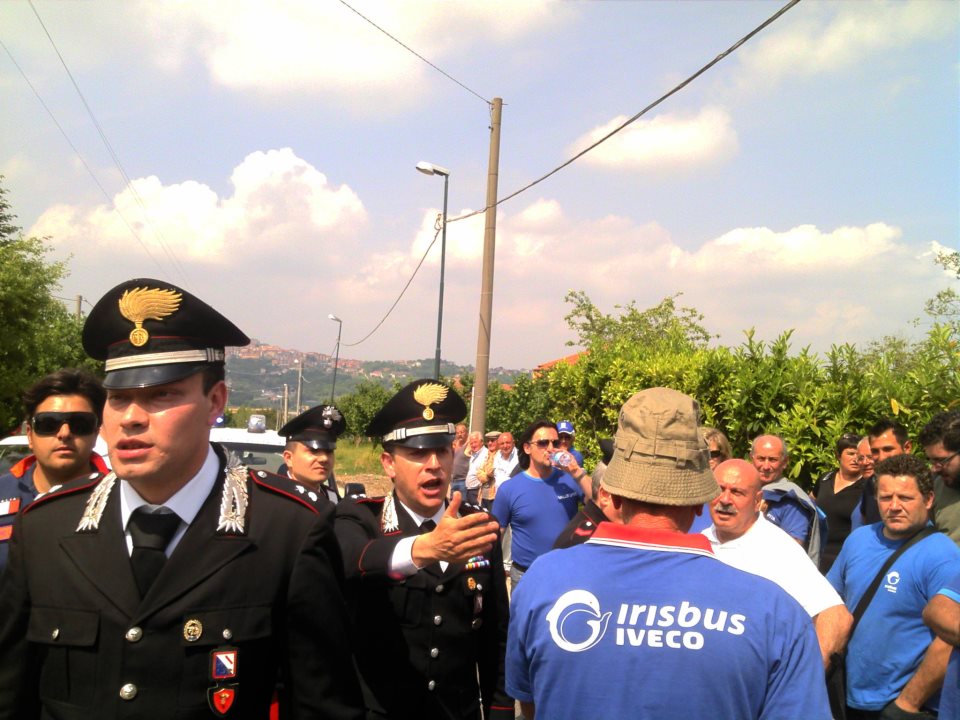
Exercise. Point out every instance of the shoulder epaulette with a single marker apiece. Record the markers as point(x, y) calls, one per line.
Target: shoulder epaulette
point(286, 487)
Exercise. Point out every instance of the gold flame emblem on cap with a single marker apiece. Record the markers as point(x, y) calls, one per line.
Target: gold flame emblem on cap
point(142, 304)
point(430, 394)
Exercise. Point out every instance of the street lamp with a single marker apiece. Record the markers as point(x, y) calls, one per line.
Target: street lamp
point(336, 362)
point(431, 169)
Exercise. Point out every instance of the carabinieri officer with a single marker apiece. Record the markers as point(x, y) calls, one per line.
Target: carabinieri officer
point(174, 586)
point(425, 577)
point(311, 450)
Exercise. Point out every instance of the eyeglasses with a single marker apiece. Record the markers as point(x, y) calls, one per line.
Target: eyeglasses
point(545, 443)
point(45, 424)
point(716, 454)
point(940, 462)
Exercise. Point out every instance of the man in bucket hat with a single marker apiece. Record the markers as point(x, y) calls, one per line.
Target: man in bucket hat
point(175, 585)
point(645, 612)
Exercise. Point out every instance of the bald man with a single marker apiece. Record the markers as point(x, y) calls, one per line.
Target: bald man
point(742, 537)
point(787, 504)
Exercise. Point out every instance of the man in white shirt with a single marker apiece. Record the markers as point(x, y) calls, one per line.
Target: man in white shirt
point(477, 453)
point(506, 461)
point(743, 538)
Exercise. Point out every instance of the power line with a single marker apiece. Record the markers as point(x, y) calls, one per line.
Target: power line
point(640, 114)
point(79, 155)
point(384, 318)
point(557, 169)
point(411, 50)
point(116, 159)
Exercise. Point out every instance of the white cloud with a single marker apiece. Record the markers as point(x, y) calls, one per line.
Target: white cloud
point(281, 206)
point(664, 141)
point(818, 38)
point(797, 250)
point(287, 247)
point(296, 47)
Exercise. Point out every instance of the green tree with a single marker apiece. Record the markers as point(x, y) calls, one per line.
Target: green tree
point(662, 324)
point(8, 221)
point(360, 406)
point(39, 335)
point(944, 307)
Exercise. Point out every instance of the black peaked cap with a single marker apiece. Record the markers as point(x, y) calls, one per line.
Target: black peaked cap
point(423, 415)
point(318, 428)
point(151, 332)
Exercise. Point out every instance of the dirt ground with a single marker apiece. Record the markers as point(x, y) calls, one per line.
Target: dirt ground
point(376, 485)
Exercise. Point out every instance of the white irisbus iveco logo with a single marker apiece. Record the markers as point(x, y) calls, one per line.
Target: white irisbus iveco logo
point(577, 623)
point(583, 607)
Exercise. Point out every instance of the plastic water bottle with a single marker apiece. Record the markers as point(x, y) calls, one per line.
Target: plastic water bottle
point(561, 459)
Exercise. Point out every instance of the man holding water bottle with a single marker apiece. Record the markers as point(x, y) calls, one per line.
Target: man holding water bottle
point(538, 502)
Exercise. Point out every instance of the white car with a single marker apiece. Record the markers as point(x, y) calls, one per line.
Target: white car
point(253, 448)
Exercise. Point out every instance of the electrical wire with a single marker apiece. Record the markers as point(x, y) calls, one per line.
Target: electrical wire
point(171, 256)
point(414, 52)
point(773, 18)
point(384, 318)
point(80, 156)
point(557, 169)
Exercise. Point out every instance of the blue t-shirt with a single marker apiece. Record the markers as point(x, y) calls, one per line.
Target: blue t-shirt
point(648, 624)
point(537, 511)
point(950, 695)
point(891, 639)
point(577, 455)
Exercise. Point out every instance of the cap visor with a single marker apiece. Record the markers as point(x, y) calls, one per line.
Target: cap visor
point(315, 443)
point(150, 376)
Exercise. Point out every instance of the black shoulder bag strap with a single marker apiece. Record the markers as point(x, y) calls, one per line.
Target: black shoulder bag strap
point(875, 585)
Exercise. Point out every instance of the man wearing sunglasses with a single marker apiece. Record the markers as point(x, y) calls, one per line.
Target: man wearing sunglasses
point(539, 502)
point(940, 439)
point(63, 412)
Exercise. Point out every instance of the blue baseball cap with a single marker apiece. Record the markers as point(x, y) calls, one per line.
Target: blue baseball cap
point(565, 427)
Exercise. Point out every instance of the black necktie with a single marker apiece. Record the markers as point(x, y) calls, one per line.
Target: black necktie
point(151, 533)
point(427, 526)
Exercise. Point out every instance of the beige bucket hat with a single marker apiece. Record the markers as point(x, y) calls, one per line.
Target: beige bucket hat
point(659, 453)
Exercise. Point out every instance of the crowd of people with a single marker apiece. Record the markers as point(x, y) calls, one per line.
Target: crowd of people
point(674, 580)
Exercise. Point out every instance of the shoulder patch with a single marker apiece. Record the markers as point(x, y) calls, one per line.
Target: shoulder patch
point(282, 486)
point(59, 491)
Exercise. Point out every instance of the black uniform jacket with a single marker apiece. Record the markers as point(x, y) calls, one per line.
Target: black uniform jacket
point(421, 639)
point(76, 640)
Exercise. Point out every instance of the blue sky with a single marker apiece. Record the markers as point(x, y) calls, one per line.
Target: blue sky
point(804, 182)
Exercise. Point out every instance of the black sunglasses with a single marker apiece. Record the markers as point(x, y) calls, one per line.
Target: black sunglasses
point(49, 423)
point(545, 443)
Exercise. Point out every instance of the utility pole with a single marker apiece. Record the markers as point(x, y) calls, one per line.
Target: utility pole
point(299, 382)
point(79, 300)
point(478, 413)
point(286, 401)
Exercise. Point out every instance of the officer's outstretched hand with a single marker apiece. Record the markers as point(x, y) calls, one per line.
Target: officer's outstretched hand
point(456, 539)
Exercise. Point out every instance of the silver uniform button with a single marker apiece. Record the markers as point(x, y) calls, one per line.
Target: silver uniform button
point(440, 588)
point(434, 652)
point(134, 634)
point(128, 691)
point(437, 619)
point(227, 633)
point(55, 634)
point(431, 685)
